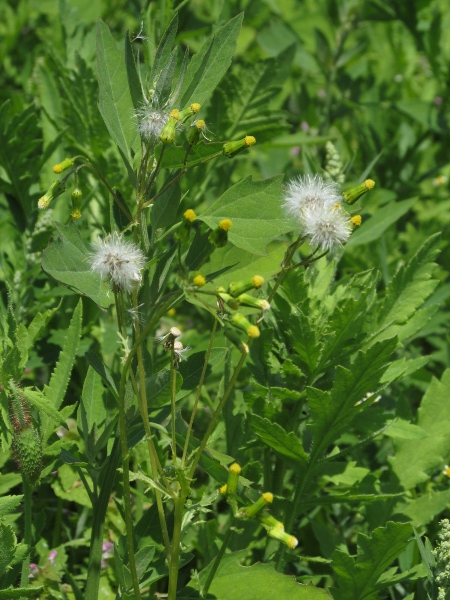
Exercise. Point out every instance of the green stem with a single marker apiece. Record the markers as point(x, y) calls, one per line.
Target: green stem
point(215, 566)
point(173, 409)
point(285, 266)
point(100, 508)
point(27, 538)
point(199, 389)
point(143, 407)
point(176, 544)
point(216, 415)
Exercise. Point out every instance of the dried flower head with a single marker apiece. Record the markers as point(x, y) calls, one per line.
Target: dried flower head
point(310, 191)
point(119, 261)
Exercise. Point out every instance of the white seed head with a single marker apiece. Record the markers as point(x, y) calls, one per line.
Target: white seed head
point(175, 332)
point(150, 121)
point(310, 191)
point(328, 227)
point(180, 350)
point(119, 261)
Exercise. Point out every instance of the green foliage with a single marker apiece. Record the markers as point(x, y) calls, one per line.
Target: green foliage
point(334, 406)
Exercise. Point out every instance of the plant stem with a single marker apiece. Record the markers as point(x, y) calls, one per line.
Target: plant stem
point(216, 415)
point(176, 542)
point(285, 266)
point(215, 566)
point(197, 395)
point(173, 408)
point(27, 493)
point(143, 406)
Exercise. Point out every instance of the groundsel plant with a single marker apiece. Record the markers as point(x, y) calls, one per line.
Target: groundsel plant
point(160, 255)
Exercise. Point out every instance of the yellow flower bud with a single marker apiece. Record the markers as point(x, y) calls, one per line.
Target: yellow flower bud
point(230, 149)
point(354, 193)
point(225, 224)
point(65, 164)
point(236, 288)
point(56, 189)
point(233, 478)
point(356, 220)
point(258, 506)
point(199, 280)
point(223, 489)
point(189, 215)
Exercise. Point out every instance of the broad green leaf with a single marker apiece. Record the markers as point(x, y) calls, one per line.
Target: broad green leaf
point(400, 429)
point(165, 207)
point(8, 504)
point(208, 67)
point(406, 292)
point(159, 388)
point(358, 578)
point(413, 462)
point(384, 217)
point(255, 210)
point(191, 368)
point(426, 507)
point(66, 259)
point(164, 50)
point(56, 389)
point(232, 581)
point(332, 412)
point(280, 440)
point(115, 101)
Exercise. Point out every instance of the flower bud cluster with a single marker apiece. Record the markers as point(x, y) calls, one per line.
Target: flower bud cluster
point(442, 557)
point(274, 528)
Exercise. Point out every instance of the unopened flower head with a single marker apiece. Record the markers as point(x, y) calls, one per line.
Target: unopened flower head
point(119, 261)
point(310, 192)
point(327, 227)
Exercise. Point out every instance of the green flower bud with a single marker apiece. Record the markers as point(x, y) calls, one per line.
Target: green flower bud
point(233, 478)
point(270, 522)
point(241, 322)
point(195, 131)
point(219, 237)
point(76, 196)
point(56, 189)
point(354, 193)
point(27, 450)
point(234, 338)
point(167, 135)
point(229, 300)
point(62, 166)
point(236, 288)
point(247, 300)
point(230, 149)
point(285, 538)
point(189, 112)
point(254, 509)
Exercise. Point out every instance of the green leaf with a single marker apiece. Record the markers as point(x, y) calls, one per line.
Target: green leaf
point(174, 156)
point(66, 259)
point(425, 508)
point(255, 210)
point(384, 217)
point(8, 544)
point(159, 388)
point(8, 504)
point(165, 207)
point(332, 412)
point(406, 292)
point(115, 101)
point(191, 368)
point(277, 438)
point(357, 578)
point(232, 581)
point(21, 592)
point(59, 380)
point(208, 67)
point(400, 429)
point(44, 405)
point(92, 405)
point(27, 336)
point(413, 462)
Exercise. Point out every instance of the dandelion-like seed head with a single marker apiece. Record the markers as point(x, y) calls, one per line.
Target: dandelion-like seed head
point(150, 121)
point(119, 261)
point(310, 191)
point(327, 227)
point(179, 351)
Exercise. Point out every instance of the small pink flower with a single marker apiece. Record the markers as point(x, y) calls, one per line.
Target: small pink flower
point(34, 571)
point(53, 554)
